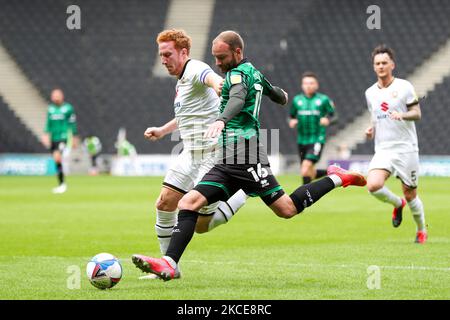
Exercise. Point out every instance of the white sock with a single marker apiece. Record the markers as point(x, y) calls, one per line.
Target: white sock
point(336, 179)
point(226, 210)
point(165, 221)
point(386, 195)
point(418, 213)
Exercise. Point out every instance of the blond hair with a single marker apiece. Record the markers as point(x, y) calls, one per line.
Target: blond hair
point(179, 36)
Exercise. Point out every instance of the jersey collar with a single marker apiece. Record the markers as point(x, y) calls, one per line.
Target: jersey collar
point(245, 60)
point(184, 69)
point(378, 85)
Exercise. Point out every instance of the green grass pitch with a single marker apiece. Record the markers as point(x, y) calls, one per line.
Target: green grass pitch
point(324, 253)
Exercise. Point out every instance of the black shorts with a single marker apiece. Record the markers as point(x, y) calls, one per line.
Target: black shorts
point(58, 145)
point(310, 152)
point(224, 180)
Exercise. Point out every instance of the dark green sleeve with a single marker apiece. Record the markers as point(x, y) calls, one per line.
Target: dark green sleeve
point(73, 122)
point(293, 111)
point(47, 123)
point(328, 106)
point(273, 92)
point(329, 110)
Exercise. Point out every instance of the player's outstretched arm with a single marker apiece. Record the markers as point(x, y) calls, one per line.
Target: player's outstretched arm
point(278, 95)
point(156, 133)
point(213, 80)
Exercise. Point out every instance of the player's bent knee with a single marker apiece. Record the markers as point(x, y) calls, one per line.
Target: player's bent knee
point(374, 186)
point(166, 205)
point(168, 200)
point(193, 201)
point(285, 212)
point(410, 195)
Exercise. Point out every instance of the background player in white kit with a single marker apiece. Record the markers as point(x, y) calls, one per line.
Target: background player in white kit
point(394, 107)
point(196, 107)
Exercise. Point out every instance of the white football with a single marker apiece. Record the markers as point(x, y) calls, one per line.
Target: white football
point(104, 271)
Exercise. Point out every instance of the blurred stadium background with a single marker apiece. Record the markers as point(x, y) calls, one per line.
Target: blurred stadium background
point(110, 72)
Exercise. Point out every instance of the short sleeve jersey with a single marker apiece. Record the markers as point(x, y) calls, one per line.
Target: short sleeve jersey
point(308, 111)
point(246, 123)
point(196, 105)
point(61, 122)
point(392, 135)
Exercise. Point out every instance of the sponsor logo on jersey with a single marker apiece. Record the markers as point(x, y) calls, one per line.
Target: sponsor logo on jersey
point(308, 112)
point(57, 116)
point(384, 106)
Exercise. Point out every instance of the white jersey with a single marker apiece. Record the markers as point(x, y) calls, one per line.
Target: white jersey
point(196, 105)
point(393, 135)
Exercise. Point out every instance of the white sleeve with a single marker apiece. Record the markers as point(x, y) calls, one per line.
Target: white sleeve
point(369, 106)
point(410, 95)
point(201, 71)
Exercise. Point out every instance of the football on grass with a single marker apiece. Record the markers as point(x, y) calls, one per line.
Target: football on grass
point(104, 271)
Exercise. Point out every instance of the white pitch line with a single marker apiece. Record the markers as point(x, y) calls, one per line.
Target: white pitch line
point(311, 265)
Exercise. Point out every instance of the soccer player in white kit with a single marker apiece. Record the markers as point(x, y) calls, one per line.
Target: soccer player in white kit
point(394, 108)
point(196, 106)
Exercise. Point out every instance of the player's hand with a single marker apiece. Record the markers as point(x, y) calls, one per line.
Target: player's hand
point(214, 129)
point(293, 123)
point(394, 115)
point(153, 133)
point(370, 133)
point(324, 122)
point(46, 141)
point(219, 89)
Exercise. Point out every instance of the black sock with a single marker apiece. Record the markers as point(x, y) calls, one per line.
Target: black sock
point(182, 234)
point(306, 180)
point(307, 194)
point(60, 172)
point(320, 173)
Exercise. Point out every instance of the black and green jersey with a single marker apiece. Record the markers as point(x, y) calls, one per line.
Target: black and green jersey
point(246, 123)
point(61, 122)
point(308, 112)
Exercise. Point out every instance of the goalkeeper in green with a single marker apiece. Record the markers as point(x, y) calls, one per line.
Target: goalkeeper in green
point(60, 130)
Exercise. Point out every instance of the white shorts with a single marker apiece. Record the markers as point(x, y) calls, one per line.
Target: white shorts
point(187, 170)
point(404, 166)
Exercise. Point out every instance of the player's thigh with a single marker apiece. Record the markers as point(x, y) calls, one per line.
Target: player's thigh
point(307, 168)
point(406, 166)
point(168, 199)
point(380, 168)
point(284, 207)
point(57, 156)
point(193, 201)
point(181, 174)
